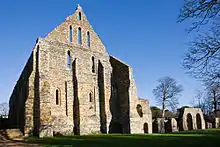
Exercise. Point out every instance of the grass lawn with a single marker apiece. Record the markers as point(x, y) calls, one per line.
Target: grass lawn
point(199, 138)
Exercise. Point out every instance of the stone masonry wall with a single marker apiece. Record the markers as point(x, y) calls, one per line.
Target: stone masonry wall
point(56, 46)
point(119, 102)
point(191, 119)
point(146, 119)
point(125, 96)
point(70, 87)
point(21, 112)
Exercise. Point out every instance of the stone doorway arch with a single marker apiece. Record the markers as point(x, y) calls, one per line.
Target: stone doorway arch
point(145, 127)
point(189, 122)
point(198, 121)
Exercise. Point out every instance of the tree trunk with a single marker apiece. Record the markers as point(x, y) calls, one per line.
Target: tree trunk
point(214, 101)
point(163, 103)
point(163, 110)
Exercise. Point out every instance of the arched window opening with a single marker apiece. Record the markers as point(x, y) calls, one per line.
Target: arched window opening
point(37, 58)
point(139, 110)
point(66, 97)
point(57, 97)
point(90, 97)
point(94, 99)
point(93, 64)
point(79, 36)
point(68, 59)
point(88, 39)
point(79, 16)
point(70, 34)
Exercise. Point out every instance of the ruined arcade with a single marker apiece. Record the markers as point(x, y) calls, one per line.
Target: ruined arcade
point(70, 84)
point(191, 119)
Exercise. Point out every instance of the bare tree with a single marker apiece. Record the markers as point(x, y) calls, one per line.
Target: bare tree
point(197, 100)
point(203, 101)
point(4, 108)
point(207, 106)
point(209, 100)
point(203, 58)
point(199, 10)
point(214, 95)
point(166, 93)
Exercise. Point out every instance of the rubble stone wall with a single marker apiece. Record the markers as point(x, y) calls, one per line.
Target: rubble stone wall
point(192, 119)
point(71, 85)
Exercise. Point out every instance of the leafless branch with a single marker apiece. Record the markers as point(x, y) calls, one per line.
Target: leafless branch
point(199, 10)
point(203, 57)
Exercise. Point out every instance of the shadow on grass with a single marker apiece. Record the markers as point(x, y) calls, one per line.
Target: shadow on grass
point(199, 138)
point(202, 132)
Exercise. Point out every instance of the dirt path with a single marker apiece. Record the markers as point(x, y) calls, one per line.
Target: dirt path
point(18, 142)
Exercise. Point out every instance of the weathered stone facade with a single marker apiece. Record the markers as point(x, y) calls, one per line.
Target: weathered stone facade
point(71, 85)
point(217, 122)
point(159, 125)
point(191, 119)
point(171, 125)
point(208, 125)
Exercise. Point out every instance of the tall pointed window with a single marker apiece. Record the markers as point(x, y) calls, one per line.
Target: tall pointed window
point(90, 97)
point(58, 97)
point(66, 97)
point(88, 39)
point(79, 36)
point(70, 34)
point(68, 59)
point(79, 16)
point(93, 64)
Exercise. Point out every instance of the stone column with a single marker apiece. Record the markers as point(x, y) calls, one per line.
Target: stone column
point(45, 127)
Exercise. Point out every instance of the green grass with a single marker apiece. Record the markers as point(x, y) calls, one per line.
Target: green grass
point(199, 138)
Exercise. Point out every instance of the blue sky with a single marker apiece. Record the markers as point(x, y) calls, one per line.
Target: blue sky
point(142, 33)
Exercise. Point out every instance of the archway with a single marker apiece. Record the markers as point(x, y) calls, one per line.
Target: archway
point(198, 121)
point(189, 122)
point(145, 128)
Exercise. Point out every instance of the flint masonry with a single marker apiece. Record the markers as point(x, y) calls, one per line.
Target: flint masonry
point(70, 84)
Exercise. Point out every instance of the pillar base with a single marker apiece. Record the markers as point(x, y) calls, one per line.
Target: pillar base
point(46, 131)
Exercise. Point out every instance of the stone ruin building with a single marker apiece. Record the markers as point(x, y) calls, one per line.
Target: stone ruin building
point(217, 122)
point(70, 84)
point(188, 119)
point(191, 119)
point(171, 125)
point(163, 125)
point(158, 125)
